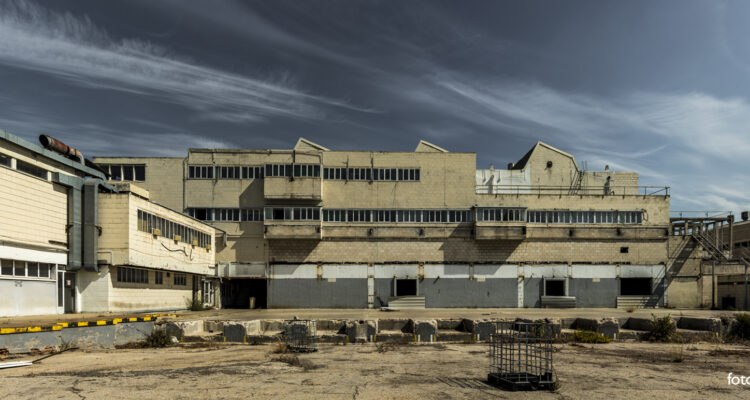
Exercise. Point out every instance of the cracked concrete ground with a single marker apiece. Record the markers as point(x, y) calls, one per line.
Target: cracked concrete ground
point(370, 371)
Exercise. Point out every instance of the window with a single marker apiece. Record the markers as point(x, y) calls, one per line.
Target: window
point(125, 172)
point(31, 169)
point(132, 275)
point(440, 216)
point(225, 172)
point(200, 172)
point(584, 217)
point(252, 172)
point(293, 213)
point(180, 280)
point(502, 214)
point(371, 174)
point(147, 222)
point(158, 277)
point(29, 269)
point(624, 249)
point(4, 160)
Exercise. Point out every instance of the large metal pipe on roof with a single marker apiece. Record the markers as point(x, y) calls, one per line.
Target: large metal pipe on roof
point(55, 145)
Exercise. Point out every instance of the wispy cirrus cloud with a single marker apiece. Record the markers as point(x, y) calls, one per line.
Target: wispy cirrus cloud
point(73, 48)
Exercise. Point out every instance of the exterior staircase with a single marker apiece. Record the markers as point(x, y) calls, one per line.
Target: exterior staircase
point(406, 302)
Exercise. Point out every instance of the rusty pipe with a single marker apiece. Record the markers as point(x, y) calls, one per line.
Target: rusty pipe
point(55, 145)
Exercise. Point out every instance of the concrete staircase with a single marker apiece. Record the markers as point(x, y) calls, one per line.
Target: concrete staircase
point(558, 301)
point(406, 302)
point(625, 302)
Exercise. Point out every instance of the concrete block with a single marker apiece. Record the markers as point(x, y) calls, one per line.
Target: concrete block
point(132, 332)
point(92, 337)
point(213, 326)
point(484, 329)
point(639, 324)
point(362, 330)
point(180, 329)
point(271, 325)
point(700, 324)
point(609, 327)
point(234, 332)
point(330, 324)
point(449, 324)
point(403, 325)
point(585, 324)
point(425, 330)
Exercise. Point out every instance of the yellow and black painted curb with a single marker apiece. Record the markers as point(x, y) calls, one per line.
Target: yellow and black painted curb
point(78, 324)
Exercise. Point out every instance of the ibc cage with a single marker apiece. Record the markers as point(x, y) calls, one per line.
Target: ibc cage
point(521, 356)
point(301, 335)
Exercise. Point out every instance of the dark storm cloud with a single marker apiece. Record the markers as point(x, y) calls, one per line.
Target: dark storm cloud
point(660, 88)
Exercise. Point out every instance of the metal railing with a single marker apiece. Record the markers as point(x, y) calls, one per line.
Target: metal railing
point(583, 190)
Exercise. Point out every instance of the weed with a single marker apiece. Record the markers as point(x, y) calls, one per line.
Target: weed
point(296, 362)
point(279, 348)
point(678, 354)
point(663, 329)
point(195, 304)
point(157, 338)
point(741, 326)
point(590, 337)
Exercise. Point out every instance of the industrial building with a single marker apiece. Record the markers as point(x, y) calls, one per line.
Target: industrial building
point(71, 242)
point(314, 227)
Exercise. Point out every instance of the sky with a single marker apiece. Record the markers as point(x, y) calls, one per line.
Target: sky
point(657, 87)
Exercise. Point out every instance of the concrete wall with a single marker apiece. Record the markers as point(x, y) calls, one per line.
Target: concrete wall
point(100, 292)
point(163, 177)
point(27, 297)
point(118, 217)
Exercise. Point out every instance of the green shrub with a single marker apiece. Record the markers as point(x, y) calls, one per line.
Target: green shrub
point(590, 337)
point(195, 304)
point(663, 329)
point(157, 338)
point(741, 326)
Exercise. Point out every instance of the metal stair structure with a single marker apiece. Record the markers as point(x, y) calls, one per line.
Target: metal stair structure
point(715, 248)
point(575, 186)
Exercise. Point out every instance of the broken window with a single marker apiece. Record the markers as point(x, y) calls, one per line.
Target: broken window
point(635, 286)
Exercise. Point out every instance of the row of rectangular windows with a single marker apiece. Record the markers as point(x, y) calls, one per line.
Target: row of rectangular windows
point(147, 222)
point(292, 214)
point(501, 214)
point(137, 275)
point(372, 174)
point(28, 269)
point(24, 167)
point(226, 214)
point(446, 216)
point(253, 172)
point(449, 216)
point(585, 217)
point(125, 172)
point(302, 171)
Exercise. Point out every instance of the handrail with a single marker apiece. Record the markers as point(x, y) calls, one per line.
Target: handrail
point(583, 190)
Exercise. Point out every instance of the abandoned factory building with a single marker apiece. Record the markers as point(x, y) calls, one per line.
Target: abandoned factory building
point(313, 227)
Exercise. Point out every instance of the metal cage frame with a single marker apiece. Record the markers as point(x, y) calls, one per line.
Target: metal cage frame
point(301, 335)
point(521, 356)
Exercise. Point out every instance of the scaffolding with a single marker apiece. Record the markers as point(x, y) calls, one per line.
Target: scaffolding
point(301, 335)
point(521, 356)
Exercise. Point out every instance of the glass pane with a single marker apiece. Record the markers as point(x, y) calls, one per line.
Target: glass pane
point(7, 267)
point(19, 268)
point(33, 269)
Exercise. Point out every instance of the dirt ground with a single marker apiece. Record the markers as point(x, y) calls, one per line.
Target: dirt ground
point(632, 370)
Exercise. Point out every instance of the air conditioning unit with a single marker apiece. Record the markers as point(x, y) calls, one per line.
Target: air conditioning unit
point(177, 238)
point(156, 232)
point(195, 242)
point(208, 247)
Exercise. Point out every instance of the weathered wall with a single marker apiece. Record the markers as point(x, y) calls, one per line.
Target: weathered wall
point(163, 177)
point(27, 297)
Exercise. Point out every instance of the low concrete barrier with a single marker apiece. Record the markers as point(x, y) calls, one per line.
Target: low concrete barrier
point(91, 337)
point(700, 324)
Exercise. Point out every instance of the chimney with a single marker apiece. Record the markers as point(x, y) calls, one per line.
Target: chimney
point(511, 165)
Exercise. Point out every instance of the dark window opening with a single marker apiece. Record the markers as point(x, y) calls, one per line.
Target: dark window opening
point(31, 169)
point(554, 288)
point(406, 287)
point(635, 286)
point(239, 293)
point(728, 303)
point(624, 249)
point(278, 213)
point(140, 172)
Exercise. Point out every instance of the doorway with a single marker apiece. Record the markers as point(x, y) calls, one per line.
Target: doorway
point(240, 293)
point(405, 287)
point(66, 292)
